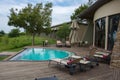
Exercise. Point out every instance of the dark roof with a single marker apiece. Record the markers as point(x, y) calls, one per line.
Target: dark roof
point(61, 24)
point(89, 13)
point(66, 23)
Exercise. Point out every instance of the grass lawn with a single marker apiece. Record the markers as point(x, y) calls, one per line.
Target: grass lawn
point(17, 43)
point(3, 57)
point(15, 50)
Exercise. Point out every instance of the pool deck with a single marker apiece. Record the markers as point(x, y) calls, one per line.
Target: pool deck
point(31, 70)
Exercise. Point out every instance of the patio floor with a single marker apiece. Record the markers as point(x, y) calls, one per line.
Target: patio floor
point(31, 70)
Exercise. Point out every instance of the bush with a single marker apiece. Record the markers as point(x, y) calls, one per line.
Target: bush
point(14, 33)
point(2, 33)
point(5, 40)
point(22, 33)
point(63, 32)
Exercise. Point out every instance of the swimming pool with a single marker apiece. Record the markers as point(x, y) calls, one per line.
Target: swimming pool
point(41, 54)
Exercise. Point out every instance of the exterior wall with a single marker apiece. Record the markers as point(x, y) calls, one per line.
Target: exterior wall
point(82, 32)
point(110, 8)
point(115, 58)
point(88, 36)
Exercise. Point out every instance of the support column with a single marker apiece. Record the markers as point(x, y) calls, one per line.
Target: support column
point(106, 32)
point(94, 34)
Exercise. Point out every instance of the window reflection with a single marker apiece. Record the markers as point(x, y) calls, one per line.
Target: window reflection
point(100, 33)
point(112, 29)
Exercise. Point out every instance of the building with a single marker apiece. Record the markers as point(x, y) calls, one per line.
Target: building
point(104, 16)
point(85, 32)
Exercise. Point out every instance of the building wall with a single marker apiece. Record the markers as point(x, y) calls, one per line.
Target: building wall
point(115, 58)
point(88, 36)
point(82, 32)
point(110, 8)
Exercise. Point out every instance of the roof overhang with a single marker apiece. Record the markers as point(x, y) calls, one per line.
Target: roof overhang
point(61, 24)
point(89, 13)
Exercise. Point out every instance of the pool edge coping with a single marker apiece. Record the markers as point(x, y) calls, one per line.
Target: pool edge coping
point(11, 56)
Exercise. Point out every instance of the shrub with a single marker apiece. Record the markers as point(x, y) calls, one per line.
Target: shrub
point(63, 32)
point(2, 33)
point(22, 33)
point(5, 40)
point(14, 33)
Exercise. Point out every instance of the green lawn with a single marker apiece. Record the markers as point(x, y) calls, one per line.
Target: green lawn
point(15, 50)
point(17, 43)
point(3, 57)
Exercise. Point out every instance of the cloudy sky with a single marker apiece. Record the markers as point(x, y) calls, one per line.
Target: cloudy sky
point(62, 10)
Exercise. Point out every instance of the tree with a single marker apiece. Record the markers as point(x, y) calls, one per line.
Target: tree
point(32, 18)
point(14, 33)
point(78, 11)
point(2, 33)
point(63, 32)
point(47, 30)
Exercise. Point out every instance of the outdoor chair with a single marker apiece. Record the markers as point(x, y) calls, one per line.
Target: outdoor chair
point(68, 63)
point(90, 57)
point(45, 43)
point(104, 56)
point(59, 43)
point(83, 43)
point(47, 78)
point(67, 44)
point(83, 64)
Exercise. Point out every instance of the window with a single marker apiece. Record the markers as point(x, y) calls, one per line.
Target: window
point(112, 29)
point(100, 33)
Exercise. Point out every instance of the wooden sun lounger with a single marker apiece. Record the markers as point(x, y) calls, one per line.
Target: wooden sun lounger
point(67, 63)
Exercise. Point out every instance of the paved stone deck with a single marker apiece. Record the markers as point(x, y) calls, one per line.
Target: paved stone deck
point(30, 70)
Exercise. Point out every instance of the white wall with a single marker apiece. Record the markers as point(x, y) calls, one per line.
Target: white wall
point(110, 8)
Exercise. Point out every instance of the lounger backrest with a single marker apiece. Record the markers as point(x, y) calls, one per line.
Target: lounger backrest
point(67, 42)
point(59, 42)
point(92, 52)
point(75, 61)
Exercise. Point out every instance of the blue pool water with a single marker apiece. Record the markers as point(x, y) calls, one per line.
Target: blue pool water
point(38, 54)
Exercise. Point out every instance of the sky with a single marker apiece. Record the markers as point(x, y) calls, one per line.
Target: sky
point(62, 10)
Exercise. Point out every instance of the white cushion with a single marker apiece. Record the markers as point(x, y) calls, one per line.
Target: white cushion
point(84, 62)
point(60, 61)
point(100, 56)
point(74, 56)
point(103, 53)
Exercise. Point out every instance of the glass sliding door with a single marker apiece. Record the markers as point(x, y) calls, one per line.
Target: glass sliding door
point(100, 33)
point(112, 29)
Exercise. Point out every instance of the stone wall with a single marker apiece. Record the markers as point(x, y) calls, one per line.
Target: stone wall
point(115, 58)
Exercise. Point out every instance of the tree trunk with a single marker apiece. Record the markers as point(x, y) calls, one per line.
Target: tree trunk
point(33, 37)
